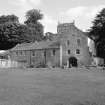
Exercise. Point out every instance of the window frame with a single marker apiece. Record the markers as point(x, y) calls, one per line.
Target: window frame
point(78, 51)
point(68, 51)
point(79, 42)
point(53, 52)
point(17, 53)
point(68, 42)
point(33, 53)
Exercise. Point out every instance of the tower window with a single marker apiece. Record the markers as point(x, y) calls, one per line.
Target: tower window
point(77, 51)
point(53, 52)
point(68, 42)
point(33, 53)
point(68, 51)
point(78, 42)
point(44, 53)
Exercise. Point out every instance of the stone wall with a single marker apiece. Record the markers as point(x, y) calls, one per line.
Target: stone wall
point(37, 57)
point(69, 36)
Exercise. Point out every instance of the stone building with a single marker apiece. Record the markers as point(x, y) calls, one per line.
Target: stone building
point(69, 48)
point(36, 54)
point(74, 44)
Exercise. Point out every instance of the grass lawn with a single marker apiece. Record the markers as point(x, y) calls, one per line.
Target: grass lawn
point(51, 87)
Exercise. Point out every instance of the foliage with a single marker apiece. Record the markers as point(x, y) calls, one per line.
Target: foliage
point(12, 32)
point(35, 27)
point(49, 36)
point(32, 16)
point(97, 33)
point(8, 31)
point(8, 18)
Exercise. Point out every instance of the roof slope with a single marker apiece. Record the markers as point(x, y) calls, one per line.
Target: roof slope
point(36, 45)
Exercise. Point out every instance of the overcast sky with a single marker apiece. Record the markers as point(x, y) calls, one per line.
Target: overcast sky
point(82, 11)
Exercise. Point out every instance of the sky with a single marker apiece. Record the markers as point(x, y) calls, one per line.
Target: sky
point(55, 11)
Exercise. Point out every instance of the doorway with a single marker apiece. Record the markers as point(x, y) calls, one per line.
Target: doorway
point(73, 62)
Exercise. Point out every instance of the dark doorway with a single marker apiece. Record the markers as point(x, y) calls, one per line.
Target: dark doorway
point(73, 62)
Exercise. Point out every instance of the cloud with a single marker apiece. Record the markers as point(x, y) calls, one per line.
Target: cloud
point(26, 3)
point(23, 6)
point(49, 23)
point(75, 12)
point(83, 15)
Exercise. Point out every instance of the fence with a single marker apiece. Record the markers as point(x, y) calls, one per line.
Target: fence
point(5, 63)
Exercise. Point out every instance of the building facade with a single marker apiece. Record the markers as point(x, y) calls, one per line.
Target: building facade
point(69, 48)
point(36, 54)
point(74, 44)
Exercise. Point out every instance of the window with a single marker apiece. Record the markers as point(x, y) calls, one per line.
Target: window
point(68, 42)
point(53, 52)
point(33, 53)
point(79, 42)
point(73, 34)
point(21, 53)
point(16, 52)
point(65, 29)
point(77, 51)
point(44, 53)
point(25, 52)
point(68, 51)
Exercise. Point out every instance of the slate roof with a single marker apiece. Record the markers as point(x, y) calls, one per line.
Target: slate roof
point(36, 45)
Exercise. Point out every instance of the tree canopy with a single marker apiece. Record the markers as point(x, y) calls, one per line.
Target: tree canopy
point(97, 33)
point(13, 32)
point(8, 18)
point(50, 36)
point(35, 27)
point(8, 31)
point(32, 16)
point(98, 28)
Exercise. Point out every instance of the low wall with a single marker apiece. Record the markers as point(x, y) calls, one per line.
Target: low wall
point(98, 61)
point(5, 63)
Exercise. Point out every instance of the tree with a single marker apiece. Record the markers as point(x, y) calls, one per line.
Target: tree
point(23, 34)
point(32, 16)
point(50, 36)
point(8, 18)
point(12, 32)
point(35, 27)
point(8, 31)
point(97, 33)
